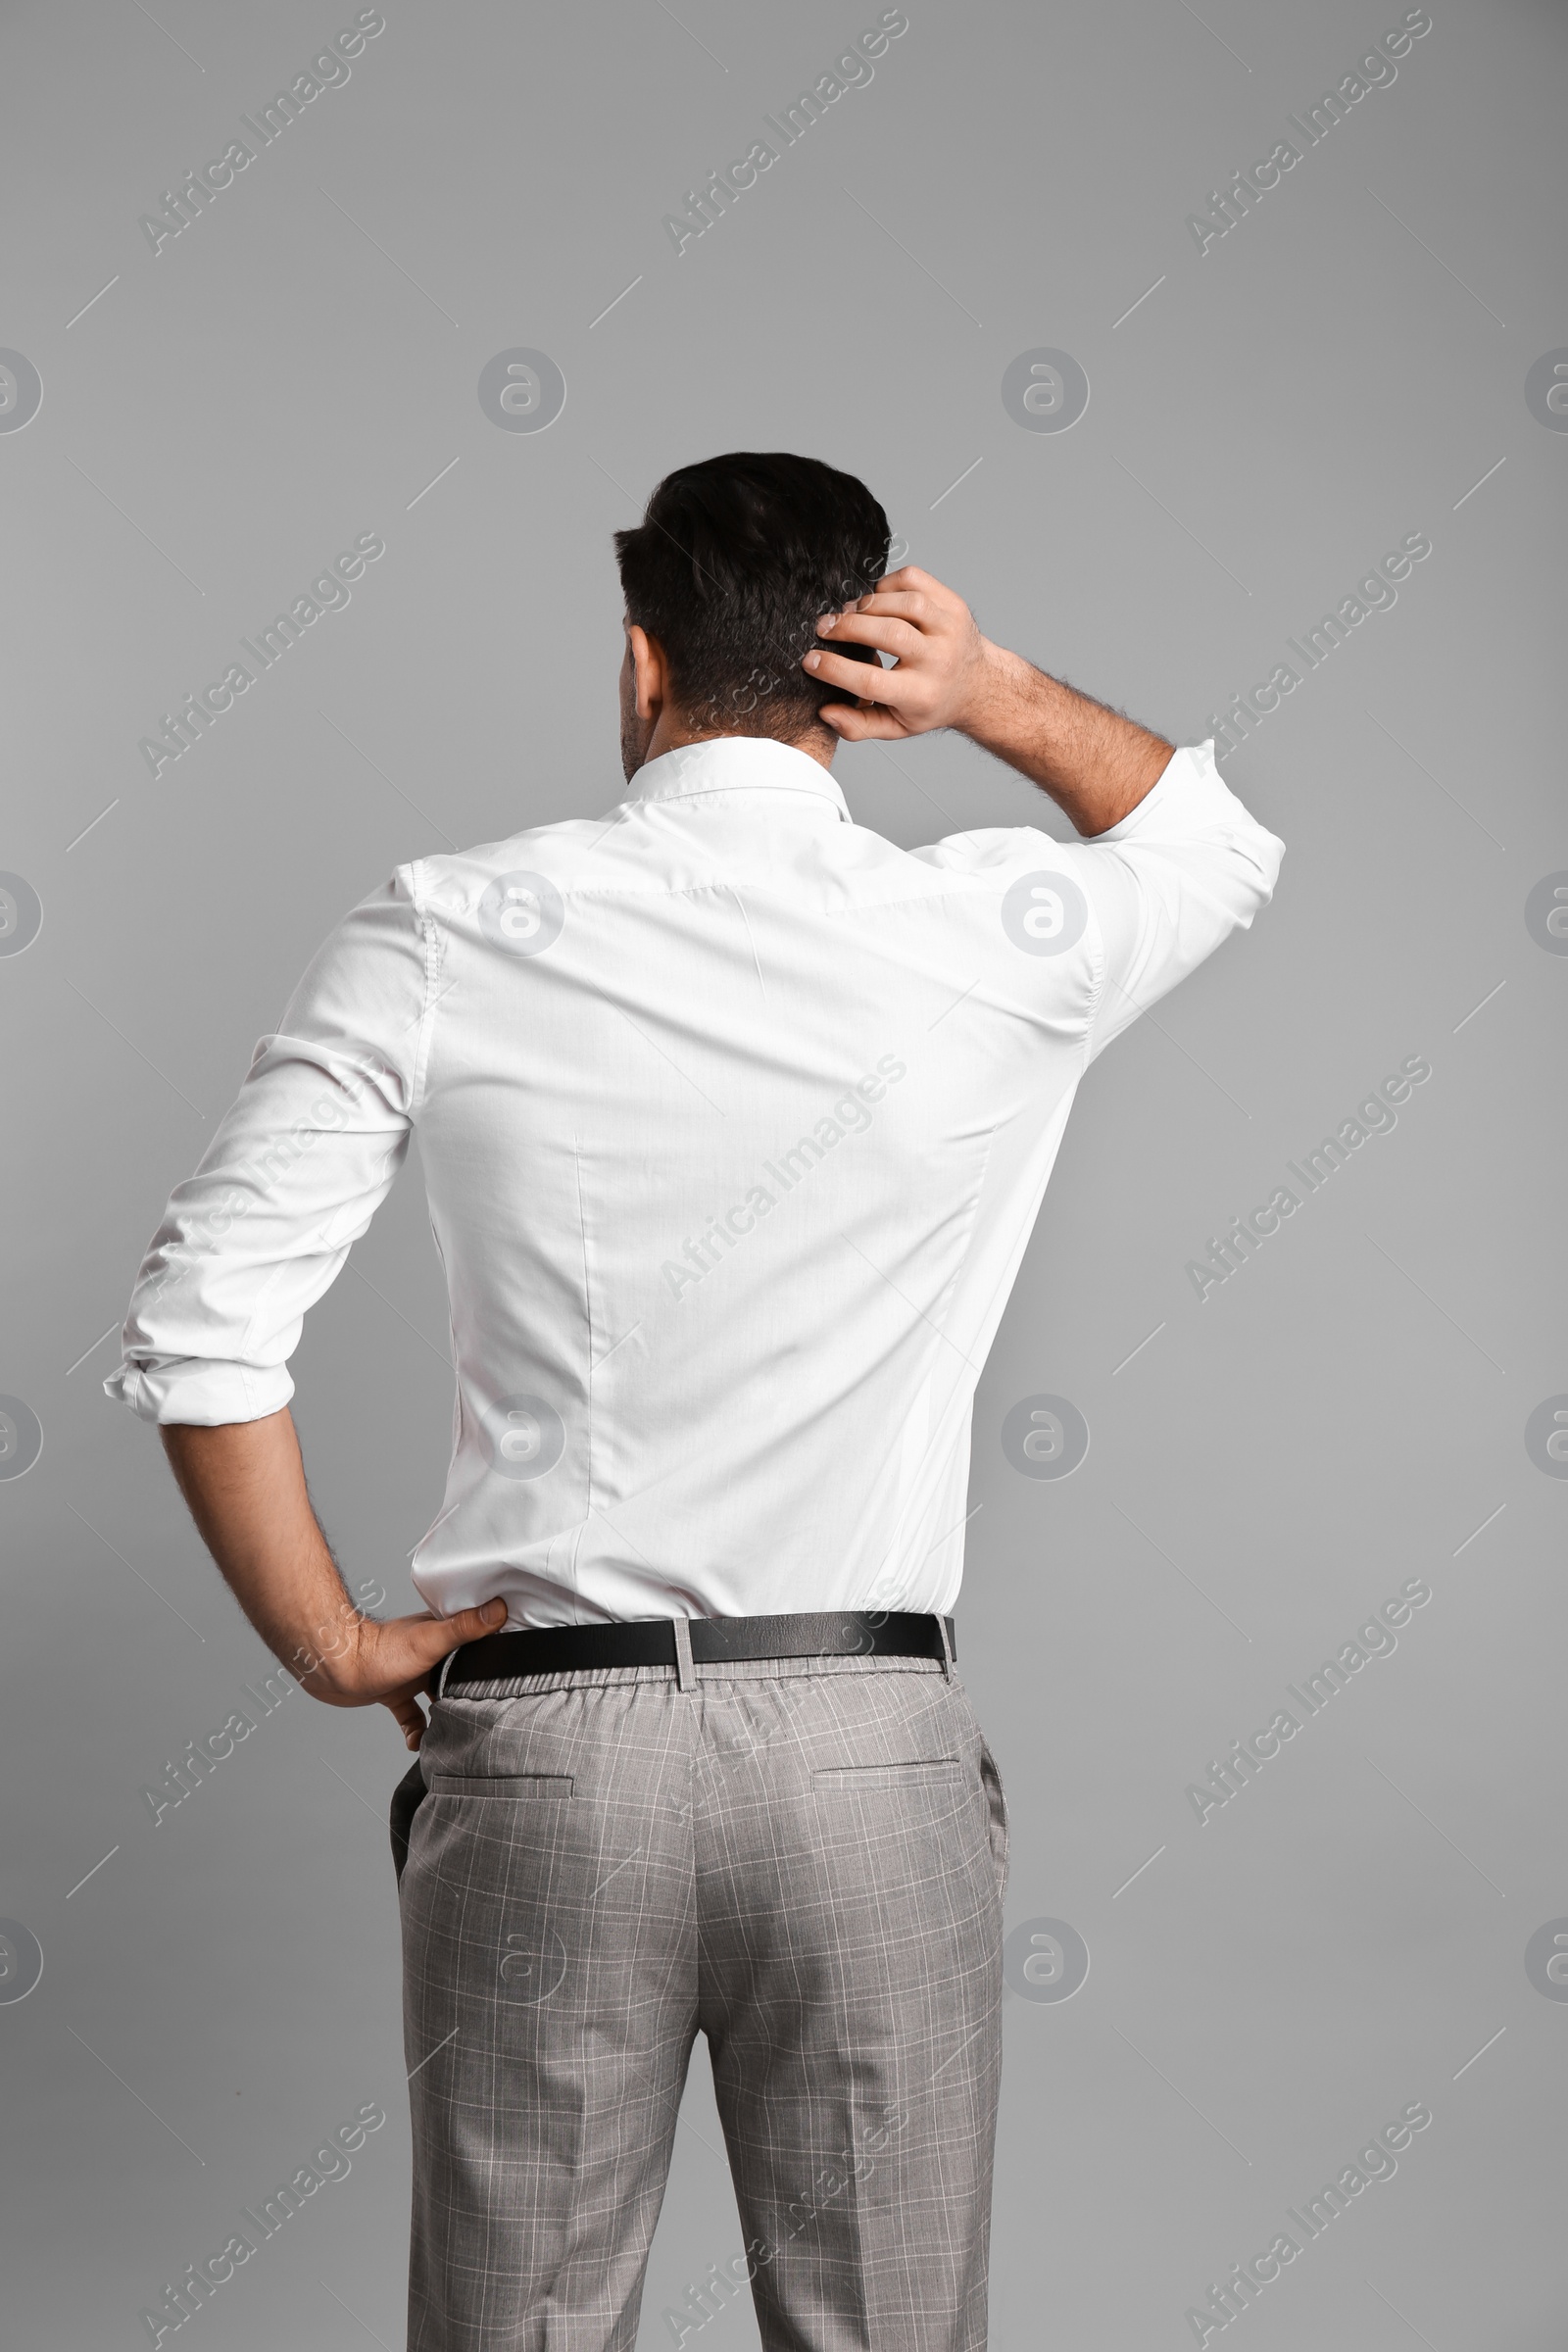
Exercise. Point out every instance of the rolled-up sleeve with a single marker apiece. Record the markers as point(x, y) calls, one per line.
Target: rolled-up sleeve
point(293, 1176)
point(1170, 883)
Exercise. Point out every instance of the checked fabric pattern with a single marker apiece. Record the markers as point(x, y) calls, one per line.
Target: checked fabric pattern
point(805, 1860)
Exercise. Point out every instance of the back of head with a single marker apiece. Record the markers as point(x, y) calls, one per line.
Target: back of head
point(729, 569)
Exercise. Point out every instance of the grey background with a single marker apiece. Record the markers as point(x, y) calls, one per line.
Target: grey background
point(295, 368)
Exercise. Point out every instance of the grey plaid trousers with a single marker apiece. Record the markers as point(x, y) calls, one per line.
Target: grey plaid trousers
point(804, 1858)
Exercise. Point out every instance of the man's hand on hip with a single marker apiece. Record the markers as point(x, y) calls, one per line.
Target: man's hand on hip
point(1095, 763)
point(366, 1662)
point(245, 1483)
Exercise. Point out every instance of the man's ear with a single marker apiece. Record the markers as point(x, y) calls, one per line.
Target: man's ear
point(649, 672)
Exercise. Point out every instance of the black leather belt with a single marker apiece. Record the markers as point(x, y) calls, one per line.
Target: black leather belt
point(715, 1641)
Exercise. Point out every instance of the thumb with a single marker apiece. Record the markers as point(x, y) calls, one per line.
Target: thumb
point(468, 1624)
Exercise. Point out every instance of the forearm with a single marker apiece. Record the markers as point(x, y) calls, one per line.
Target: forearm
point(244, 1481)
point(1095, 765)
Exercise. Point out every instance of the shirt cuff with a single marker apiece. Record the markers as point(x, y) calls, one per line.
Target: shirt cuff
point(1188, 770)
point(198, 1389)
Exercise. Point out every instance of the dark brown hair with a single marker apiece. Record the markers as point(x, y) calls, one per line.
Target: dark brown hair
point(729, 569)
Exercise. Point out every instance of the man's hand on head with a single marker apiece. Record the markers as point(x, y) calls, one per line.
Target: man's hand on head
point(1095, 765)
point(945, 672)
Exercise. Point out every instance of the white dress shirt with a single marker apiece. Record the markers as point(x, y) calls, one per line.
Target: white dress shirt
point(735, 1120)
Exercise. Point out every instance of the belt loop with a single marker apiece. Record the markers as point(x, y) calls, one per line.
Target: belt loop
point(685, 1672)
point(441, 1678)
point(946, 1640)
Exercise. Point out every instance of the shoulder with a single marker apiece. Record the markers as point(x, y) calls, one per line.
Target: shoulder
point(994, 853)
point(454, 881)
point(1017, 865)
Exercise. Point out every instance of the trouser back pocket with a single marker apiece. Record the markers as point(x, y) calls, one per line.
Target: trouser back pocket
point(407, 1799)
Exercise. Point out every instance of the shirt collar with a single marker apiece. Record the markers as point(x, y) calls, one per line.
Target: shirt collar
point(736, 763)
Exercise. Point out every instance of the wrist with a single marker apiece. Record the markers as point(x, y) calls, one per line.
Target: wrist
point(997, 697)
point(331, 1664)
